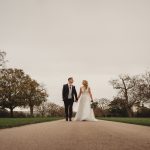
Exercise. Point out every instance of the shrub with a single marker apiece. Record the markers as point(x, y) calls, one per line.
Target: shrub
point(143, 112)
point(4, 113)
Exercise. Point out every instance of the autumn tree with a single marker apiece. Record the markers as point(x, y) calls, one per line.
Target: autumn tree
point(33, 93)
point(50, 109)
point(53, 109)
point(103, 105)
point(18, 90)
point(11, 81)
point(117, 107)
point(42, 109)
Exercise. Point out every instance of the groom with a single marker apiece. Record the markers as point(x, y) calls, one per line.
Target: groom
point(69, 95)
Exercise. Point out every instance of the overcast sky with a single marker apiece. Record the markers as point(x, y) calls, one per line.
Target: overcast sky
point(88, 39)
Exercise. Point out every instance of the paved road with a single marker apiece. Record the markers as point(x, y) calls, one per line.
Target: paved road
point(61, 135)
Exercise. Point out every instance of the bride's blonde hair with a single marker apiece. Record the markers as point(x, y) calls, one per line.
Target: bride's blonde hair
point(85, 83)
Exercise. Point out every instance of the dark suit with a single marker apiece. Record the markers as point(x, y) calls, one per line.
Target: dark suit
point(68, 102)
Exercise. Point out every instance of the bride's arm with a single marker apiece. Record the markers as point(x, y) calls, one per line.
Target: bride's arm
point(79, 93)
point(91, 94)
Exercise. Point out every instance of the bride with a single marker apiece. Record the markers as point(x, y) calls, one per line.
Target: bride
point(85, 112)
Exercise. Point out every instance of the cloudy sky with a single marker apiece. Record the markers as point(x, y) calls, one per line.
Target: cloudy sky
point(88, 39)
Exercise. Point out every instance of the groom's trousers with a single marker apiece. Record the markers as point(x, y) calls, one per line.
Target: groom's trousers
point(68, 108)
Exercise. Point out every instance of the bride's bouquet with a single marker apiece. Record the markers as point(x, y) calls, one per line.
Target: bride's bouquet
point(94, 104)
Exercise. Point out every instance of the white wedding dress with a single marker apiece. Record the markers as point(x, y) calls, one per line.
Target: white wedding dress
point(85, 112)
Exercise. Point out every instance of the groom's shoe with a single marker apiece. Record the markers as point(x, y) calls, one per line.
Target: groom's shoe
point(70, 119)
point(66, 119)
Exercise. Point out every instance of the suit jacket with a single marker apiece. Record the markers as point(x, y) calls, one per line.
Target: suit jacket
point(65, 92)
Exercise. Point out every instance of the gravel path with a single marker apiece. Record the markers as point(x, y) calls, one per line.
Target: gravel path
point(61, 135)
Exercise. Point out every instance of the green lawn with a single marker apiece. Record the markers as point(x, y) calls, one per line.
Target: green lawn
point(14, 122)
point(138, 121)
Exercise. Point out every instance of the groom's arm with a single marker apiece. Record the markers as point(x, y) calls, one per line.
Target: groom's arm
point(63, 92)
point(75, 92)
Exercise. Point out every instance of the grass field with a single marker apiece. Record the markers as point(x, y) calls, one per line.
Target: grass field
point(138, 121)
point(14, 122)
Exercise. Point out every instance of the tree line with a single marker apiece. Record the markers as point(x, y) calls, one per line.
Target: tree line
point(133, 94)
point(18, 89)
point(133, 91)
point(49, 109)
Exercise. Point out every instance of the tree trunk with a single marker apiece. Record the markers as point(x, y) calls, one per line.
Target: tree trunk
point(129, 111)
point(11, 113)
point(31, 111)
